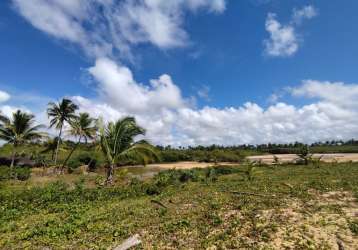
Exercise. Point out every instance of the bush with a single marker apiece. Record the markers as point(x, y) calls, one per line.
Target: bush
point(4, 173)
point(85, 158)
point(72, 165)
point(21, 173)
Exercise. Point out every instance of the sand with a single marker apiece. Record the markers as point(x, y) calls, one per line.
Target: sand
point(342, 157)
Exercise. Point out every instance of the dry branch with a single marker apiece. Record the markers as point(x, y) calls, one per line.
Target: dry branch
point(128, 243)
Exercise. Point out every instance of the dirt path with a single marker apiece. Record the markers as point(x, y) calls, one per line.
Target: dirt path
point(186, 165)
point(268, 159)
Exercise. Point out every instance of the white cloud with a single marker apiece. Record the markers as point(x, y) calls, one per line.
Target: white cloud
point(284, 40)
point(116, 84)
point(332, 113)
point(104, 27)
point(307, 12)
point(159, 106)
point(339, 93)
point(204, 92)
point(4, 96)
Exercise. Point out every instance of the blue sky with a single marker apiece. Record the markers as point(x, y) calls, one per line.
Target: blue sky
point(218, 54)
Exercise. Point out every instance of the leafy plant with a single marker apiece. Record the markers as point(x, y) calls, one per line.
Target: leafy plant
point(249, 172)
point(304, 156)
point(20, 173)
point(353, 226)
point(23, 174)
point(118, 145)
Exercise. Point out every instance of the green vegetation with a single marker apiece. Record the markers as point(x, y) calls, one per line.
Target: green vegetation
point(301, 205)
point(118, 145)
point(18, 130)
point(19, 173)
point(83, 127)
point(215, 208)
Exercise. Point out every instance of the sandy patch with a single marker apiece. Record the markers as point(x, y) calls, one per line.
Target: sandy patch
point(268, 159)
point(186, 165)
point(321, 229)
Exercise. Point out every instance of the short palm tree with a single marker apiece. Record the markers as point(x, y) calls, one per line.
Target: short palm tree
point(61, 112)
point(118, 145)
point(82, 127)
point(19, 130)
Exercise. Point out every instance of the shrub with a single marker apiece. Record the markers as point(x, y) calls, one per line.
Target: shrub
point(23, 174)
point(85, 158)
point(353, 226)
point(20, 173)
point(73, 164)
point(4, 173)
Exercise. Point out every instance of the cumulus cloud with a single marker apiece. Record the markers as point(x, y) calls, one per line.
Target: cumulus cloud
point(105, 27)
point(116, 84)
point(284, 40)
point(332, 113)
point(4, 96)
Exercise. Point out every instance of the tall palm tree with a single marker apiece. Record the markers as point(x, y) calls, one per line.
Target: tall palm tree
point(118, 145)
point(61, 112)
point(83, 127)
point(19, 130)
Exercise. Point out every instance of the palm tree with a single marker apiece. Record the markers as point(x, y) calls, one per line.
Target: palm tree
point(83, 127)
point(60, 113)
point(3, 119)
point(118, 145)
point(50, 146)
point(19, 130)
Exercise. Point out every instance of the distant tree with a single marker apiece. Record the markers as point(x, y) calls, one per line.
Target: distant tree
point(19, 130)
point(304, 155)
point(50, 146)
point(61, 112)
point(82, 127)
point(118, 145)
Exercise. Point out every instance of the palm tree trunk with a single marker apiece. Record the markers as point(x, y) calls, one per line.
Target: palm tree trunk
point(12, 161)
point(58, 144)
point(110, 173)
point(70, 154)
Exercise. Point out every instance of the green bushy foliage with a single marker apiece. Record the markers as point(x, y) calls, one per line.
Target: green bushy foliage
point(174, 156)
point(88, 159)
point(57, 215)
point(73, 164)
point(4, 173)
point(23, 174)
point(19, 173)
point(83, 158)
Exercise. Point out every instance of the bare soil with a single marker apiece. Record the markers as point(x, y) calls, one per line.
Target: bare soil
point(284, 158)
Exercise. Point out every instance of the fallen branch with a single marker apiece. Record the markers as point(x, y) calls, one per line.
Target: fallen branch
point(128, 243)
point(288, 185)
point(158, 203)
point(254, 194)
point(340, 245)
